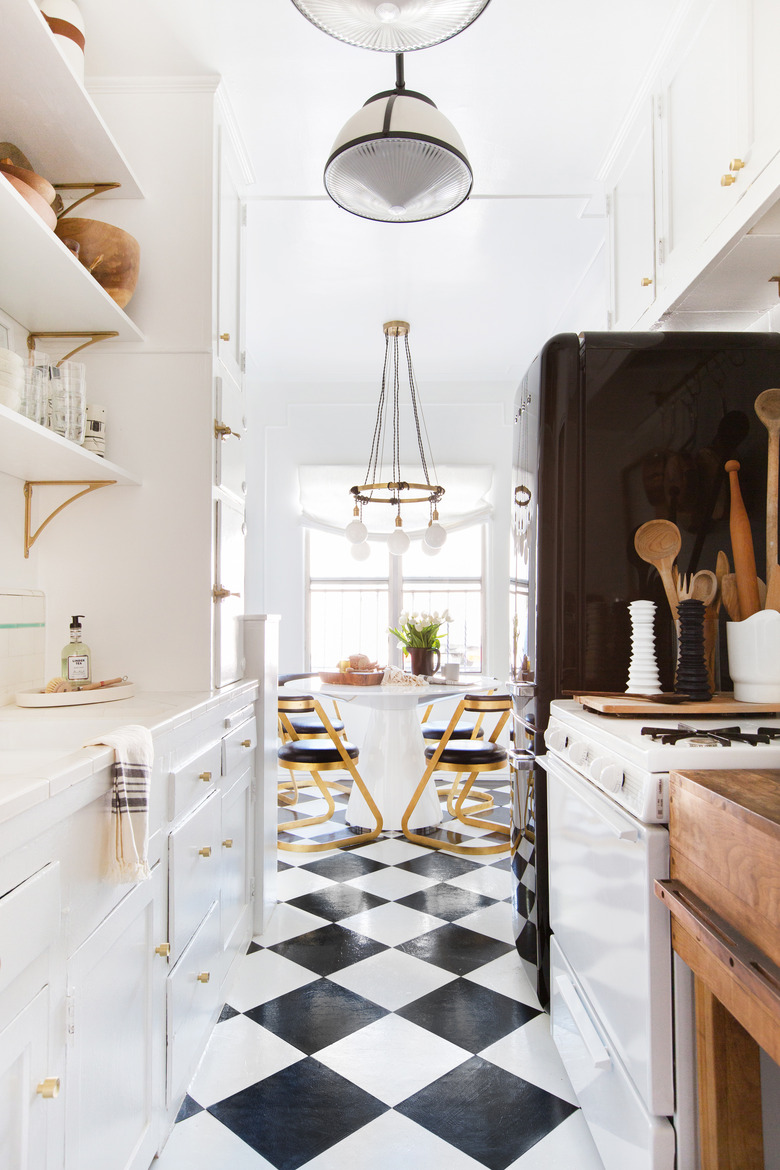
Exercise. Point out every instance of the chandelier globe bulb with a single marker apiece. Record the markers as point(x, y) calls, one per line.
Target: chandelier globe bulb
point(360, 552)
point(356, 532)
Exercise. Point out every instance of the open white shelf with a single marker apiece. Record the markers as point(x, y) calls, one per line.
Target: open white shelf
point(43, 284)
point(30, 452)
point(47, 112)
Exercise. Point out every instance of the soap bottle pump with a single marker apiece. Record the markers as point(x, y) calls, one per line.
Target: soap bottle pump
point(76, 657)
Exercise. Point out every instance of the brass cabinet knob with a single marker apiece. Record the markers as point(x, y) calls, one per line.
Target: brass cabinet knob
point(224, 337)
point(205, 851)
point(246, 743)
point(736, 164)
point(204, 977)
point(228, 843)
point(205, 776)
point(49, 1087)
point(222, 430)
point(646, 280)
point(727, 180)
point(218, 593)
point(164, 949)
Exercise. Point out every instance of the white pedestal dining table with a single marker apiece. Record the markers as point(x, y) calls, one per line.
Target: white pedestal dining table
point(392, 754)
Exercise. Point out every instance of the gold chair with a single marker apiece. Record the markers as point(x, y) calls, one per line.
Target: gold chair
point(469, 758)
point(312, 756)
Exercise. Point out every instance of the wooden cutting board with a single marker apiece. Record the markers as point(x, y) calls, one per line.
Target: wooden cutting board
point(719, 704)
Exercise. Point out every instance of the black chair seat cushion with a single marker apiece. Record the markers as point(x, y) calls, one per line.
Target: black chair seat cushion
point(466, 752)
point(296, 698)
point(315, 751)
point(489, 698)
point(312, 724)
point(435, 729)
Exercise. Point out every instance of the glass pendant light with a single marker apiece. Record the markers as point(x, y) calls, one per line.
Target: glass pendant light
point(398, 159)
point(391, 26)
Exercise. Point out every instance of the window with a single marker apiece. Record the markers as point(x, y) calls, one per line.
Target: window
point(352, 603)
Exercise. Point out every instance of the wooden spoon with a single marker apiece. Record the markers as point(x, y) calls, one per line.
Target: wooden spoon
point(728, 592)
point(658, 542)
point(704, 586)
point(742, 547)
point(767, 407)
point(722, 567)
point(773, 589)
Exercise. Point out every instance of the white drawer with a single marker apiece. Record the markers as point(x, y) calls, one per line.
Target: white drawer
point(190, 782)
point(194, 1002)
point(238, 745)
point(236, 854)
point(194, 859)
point(29, 921)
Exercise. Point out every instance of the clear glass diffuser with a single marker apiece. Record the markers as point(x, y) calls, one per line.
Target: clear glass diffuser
point(391, 26)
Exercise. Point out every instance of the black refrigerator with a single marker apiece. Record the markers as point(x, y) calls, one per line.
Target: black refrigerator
point(612, 430)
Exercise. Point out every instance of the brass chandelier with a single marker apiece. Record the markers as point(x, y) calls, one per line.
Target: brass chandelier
point(397, 491)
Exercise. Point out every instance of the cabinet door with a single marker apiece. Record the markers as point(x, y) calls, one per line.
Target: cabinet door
point(230, 531)
point(23, 1110)
point(116, 1056)
point(230, 446)
point(230, 233)
point(632, 225)
point(193, 872)
point(236, 885)
point(766, 83)
point(705, 124)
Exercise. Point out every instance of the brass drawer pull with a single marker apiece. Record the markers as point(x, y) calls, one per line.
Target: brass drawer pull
point(204, 977)
point(164, 949)
point(224, 337)
point(246, 743)
point(205, 851)
point(48, 1088)
point(205, 776)
point(228, 843)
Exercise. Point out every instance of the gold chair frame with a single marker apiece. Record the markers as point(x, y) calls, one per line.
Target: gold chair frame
point(313, 769)
point(458, 794)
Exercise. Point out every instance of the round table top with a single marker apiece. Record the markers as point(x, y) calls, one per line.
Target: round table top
point(389, 698)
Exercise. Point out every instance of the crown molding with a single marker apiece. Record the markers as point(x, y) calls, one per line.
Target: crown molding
point(207, 83)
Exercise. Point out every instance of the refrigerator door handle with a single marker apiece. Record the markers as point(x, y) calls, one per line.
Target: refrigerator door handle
point(590, 1037)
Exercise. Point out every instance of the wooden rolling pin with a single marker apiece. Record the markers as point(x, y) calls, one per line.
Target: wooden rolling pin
point(742, 547)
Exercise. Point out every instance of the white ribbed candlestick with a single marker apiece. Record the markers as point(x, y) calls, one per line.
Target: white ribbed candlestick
point(643, 668)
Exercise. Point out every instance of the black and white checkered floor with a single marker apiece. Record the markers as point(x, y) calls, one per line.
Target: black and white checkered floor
point(383, 1019)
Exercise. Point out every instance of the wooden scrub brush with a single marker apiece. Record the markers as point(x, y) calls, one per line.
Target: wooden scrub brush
point(55, 685)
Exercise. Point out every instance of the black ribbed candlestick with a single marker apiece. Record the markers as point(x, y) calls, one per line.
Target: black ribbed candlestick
point(692, 679)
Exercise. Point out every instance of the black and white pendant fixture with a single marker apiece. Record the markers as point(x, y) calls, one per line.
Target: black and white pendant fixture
point(398, 159)
point(391, 26)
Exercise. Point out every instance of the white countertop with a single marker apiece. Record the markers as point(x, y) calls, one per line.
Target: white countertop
point(42, 750)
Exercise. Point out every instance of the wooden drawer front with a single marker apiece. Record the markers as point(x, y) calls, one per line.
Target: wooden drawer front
point(190, 782)
point(193, 1003)
point(236, 859)
point(193, 872)
point(29, 921)
point(238, 745)
point(725, 848)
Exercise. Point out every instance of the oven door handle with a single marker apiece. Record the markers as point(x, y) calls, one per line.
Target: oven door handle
point(618, 827)
point(582, 1021)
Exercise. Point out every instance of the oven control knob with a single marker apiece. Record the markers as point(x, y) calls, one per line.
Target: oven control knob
point(578, 753)
point(555, 738)
point(611, 778)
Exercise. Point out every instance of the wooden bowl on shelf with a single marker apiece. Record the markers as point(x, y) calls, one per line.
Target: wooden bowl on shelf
point(110, 253)
point(36, 201)
point(37, 182)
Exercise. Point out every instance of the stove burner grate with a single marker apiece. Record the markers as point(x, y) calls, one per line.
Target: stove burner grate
point(717, 735)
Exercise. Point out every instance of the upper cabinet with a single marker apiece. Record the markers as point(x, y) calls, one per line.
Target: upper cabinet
point(230, 246)
point(701, 173)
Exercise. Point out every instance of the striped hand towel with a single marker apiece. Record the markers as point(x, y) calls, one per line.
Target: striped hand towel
point(133, 756)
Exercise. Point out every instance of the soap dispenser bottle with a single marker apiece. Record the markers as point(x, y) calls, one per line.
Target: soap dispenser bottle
point(76, 657)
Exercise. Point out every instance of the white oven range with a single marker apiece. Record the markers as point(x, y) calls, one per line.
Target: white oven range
point(621, 1002)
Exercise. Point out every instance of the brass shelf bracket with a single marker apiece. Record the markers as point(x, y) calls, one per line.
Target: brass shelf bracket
point(93, 335)
point(86, 485)
point(94, 189)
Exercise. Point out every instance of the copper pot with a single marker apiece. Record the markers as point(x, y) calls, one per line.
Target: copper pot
point(37, 182)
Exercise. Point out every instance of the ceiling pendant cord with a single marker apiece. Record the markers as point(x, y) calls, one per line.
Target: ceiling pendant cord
point(375, 458)
point(396, 430)
point(417, 411)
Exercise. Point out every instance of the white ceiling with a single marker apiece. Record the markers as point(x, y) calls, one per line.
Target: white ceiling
point(537, 91)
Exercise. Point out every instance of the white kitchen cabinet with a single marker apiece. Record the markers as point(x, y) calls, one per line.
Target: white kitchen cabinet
point(230, 235)
point(229, 560)
point(193, 999)
point(765, 38)
point(230, 433)
point(24, 1048)
point(116, 1041)
point(631, 216)
point(194, 862)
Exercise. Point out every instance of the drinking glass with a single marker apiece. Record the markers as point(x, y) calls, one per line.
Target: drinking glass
point(35, 398)
point(68, 400)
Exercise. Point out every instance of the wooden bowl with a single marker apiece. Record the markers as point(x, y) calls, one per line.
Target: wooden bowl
point(111, 254)
point(352, 678)
point(37, 182)
point(36, 201)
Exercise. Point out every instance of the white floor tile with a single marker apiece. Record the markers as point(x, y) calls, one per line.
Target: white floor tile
point(394, 851)
point(392, 979)
point(529, 1053)
point(304, 858)
point(418, 1057)
point(239, 1053)
point(287, 921)
point(203, 1143)
point(391, 882)
point(506, 976)
point(293, 883)
point(391, 924)
point(569, 1145)
point(492, 882)
point(495, 921)
point(263, 976)
point(393, 1142)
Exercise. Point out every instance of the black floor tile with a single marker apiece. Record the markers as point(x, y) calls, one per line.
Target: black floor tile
point(317, 1015)
point(253, 946)
point(455, 948)
point(227, 1013)
point(189, 1108)
point(336, 902)
point(298, 1113)
point(468, 1015)
point(328, 949)
point(343, 866)
point(440, 866)
point(503, 863)
point(445, 901)
point(487, 1113)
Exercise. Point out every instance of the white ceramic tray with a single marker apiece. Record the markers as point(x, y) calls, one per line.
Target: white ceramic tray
point(74, 698)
